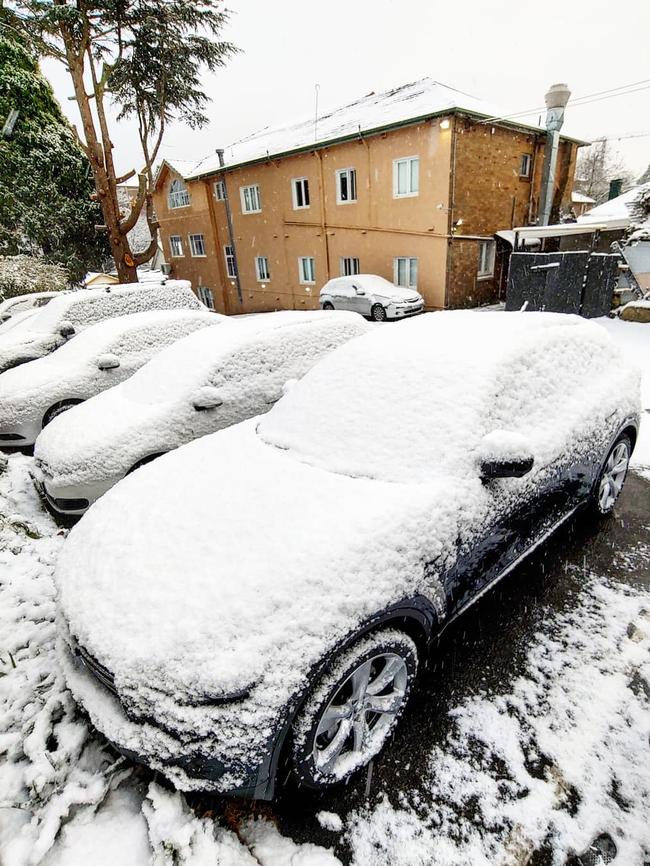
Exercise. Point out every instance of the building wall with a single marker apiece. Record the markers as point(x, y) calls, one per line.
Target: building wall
point(488, 195)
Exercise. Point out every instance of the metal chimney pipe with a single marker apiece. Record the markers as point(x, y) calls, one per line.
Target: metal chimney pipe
point(556, 100)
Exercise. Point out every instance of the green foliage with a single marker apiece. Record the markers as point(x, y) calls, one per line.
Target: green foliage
point(45, 209)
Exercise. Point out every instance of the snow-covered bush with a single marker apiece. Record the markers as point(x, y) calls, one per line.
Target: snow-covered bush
point(22, 275)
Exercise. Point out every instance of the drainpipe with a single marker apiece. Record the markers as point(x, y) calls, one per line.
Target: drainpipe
point(231, 235)
point(556, 100)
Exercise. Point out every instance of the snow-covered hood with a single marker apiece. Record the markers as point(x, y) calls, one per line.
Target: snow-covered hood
point(26, 391)
point(291, 560)
point(20, 342)
point(105, 436)
point(397, 294)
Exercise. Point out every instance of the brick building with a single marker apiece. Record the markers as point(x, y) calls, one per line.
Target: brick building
point(411, 184)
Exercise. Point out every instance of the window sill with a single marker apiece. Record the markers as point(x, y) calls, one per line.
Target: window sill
point(247, 212)
point(406, 194)
point(352, 201)
point(301, 206)
point(481, 277)
point(199, 256)
point(178, 206)
point(181, 256)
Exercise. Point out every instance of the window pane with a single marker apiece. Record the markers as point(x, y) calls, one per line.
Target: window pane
point(415, 175)
point(413, 277)
point(343, 186)
point(298, 193)
point(401, 272)
point(353, 185)
point(306, 192)
point(402, 169)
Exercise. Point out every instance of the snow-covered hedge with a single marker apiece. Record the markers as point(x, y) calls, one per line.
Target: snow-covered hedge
point(22, 275)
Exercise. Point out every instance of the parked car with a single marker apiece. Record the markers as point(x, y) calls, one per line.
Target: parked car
point(103, 355)
point(22, 303)
point(202, 383)
point(69, 314)
point(278, 584)
point(372, 296)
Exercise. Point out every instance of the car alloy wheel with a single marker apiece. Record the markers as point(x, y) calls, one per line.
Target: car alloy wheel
point(378, 313)
point(612, 478)
point(354, 708)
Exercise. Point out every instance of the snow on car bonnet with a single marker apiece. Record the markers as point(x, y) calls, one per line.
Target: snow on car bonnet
point(412, 400)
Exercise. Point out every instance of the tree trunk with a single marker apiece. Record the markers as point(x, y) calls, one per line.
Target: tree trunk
point(105, 181)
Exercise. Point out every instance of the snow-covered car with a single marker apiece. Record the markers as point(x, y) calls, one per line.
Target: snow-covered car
point(22, 303)
point(372, 296)
point(280, 582)
point(70, 313)
point(102, 356)
point(202, 383)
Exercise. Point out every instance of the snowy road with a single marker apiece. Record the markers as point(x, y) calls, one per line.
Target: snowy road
point(528, 739)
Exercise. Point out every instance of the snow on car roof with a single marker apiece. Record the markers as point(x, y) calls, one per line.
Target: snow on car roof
point(360, 411)
point(58, 309)
point(18, 299)
point(372, 282)
point(186, 363)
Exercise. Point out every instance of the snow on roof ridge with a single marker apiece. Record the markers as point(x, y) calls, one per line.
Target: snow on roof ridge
point(422, 98)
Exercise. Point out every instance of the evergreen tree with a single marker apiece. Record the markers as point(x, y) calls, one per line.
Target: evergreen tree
point(147, 56)
point(45, 184)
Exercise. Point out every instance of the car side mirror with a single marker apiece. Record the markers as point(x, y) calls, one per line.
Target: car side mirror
point(206, 398)
point(66, 329)
point(288, 385)
point(108, 362)
point(504, 454)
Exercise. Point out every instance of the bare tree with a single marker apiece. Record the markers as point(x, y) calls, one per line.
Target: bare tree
point(597, 166)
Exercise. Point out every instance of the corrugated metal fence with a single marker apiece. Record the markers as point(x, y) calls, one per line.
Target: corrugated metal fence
point(564, 282)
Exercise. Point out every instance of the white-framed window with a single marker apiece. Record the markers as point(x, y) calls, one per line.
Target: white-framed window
point(178, 195)
point(251, 201)
point(346, 185)
point(231, 264)
point(205, 296)
point(524, 165)
point(406, 177)
point(486, 250)
point(197, 245)
point(307, 269)
point(262, 269)
point(219, 187)
point(176, 246)
point(405, 270)
point(349, 266)
point(300, 188)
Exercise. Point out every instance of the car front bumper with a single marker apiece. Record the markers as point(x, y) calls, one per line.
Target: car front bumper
point(404, 312)
point(19, 435)
point(186, 766)
point(70, 499)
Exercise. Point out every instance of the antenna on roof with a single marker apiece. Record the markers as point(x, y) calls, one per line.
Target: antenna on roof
point(316, 88)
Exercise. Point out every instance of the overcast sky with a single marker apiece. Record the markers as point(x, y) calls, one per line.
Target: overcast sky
point(505, 52)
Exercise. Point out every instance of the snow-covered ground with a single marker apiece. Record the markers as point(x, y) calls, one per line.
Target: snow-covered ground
point(549, 763)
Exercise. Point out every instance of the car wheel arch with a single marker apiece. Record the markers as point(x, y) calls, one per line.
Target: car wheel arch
point(417, 617)
point(66, 404)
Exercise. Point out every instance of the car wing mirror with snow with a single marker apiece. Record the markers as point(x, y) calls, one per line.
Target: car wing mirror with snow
point(108, 362)
point(206, 398)
point(288, 385)
point(504, 454)
point(66, 329)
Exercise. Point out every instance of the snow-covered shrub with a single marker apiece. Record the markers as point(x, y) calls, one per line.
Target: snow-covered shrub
point(22, 275)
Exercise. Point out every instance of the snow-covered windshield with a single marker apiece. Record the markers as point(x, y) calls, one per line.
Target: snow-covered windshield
point(412, 400)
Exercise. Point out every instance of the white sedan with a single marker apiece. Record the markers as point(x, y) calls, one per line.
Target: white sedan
point(371, 296)
point(25, 303)
point(202, 383)
point(33, 394)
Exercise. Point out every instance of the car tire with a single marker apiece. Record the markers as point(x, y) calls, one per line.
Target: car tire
point(338, 732)
point(328, 306)
point(59, 409)
point(612, 477)
point(378, 313)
